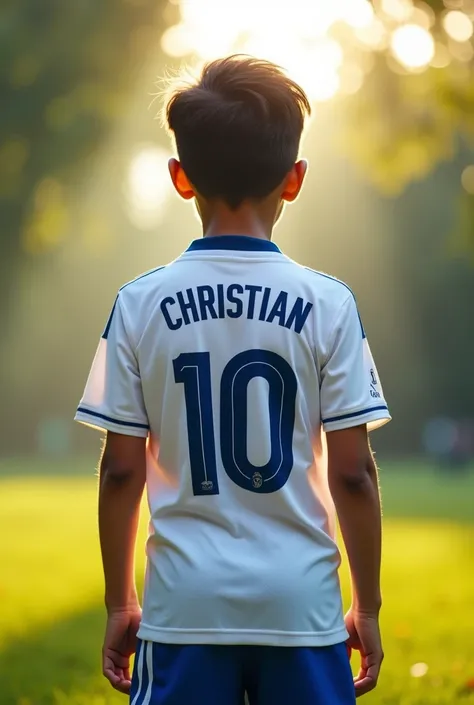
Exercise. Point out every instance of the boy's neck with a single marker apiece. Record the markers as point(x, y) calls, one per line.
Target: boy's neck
point(244, 221)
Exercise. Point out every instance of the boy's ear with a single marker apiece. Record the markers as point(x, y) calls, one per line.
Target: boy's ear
point(180, 180)
point(294, 181)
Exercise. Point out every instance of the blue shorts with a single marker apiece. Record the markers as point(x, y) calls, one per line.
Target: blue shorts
point(171, 674)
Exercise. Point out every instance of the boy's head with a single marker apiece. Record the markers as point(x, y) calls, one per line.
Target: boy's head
point(237, 132)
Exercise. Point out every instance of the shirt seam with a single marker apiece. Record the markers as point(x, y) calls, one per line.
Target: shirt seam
point(279, 632)
point(130, 340)
point(334, 330)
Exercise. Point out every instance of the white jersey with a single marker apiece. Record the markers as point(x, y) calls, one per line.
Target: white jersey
point(234, 360)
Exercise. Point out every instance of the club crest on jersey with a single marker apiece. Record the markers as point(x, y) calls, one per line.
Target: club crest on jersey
point(207, 485)
point(374, 393)
point(257, 480)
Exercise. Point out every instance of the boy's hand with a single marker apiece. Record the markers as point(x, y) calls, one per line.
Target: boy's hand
point(119, 644)
point(364, 636)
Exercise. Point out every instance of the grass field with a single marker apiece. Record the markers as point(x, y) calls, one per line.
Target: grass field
point(51, 615)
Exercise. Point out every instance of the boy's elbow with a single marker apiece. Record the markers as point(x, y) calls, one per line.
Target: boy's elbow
point(352, 483)
point(116, 472)
point(123, 461)
point(115, 475)
point(355, 478)
point(351, 465)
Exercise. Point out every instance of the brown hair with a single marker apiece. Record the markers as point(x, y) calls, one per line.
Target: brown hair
point(238, 128)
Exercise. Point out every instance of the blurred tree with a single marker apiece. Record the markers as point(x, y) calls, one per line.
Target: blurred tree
point(66, 76)
point(406, 120)
point(400, 125)
point(66, 70)
point(402, 72)
point(65, 73)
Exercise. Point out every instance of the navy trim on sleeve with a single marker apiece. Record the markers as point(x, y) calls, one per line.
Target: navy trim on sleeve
point(83, 410)
point(355, 413)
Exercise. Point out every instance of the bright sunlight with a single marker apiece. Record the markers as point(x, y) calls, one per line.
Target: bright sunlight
point(323, 45)
point(327, 46)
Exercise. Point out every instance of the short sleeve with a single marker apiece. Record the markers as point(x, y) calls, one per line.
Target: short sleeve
point(351, 393)
point(113, 398)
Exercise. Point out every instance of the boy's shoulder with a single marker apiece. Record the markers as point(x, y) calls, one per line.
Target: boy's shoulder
point(329, 282)
point(325, 285)
point(137, 297)
point(143, 280)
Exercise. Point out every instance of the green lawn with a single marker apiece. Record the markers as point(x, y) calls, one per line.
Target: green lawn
point(51, 615)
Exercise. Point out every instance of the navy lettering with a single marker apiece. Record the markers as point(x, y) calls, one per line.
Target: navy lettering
point(279, 309)
point(205, 302)
point(185, 305)
point(252, 289)
point(169, 301)
point(263, 308)
point(206, 299)
point(298, 314)
point(237, 312)
point(220, 300)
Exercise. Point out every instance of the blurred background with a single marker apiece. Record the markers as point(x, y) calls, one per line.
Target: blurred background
point(86, 205)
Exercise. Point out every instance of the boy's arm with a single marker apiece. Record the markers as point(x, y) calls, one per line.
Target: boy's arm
point(354, 487)
point(352, 402)
point(353, 482)
point(121, 484)
point(113, 401)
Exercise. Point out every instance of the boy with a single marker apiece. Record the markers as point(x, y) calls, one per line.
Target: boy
point(214, 379)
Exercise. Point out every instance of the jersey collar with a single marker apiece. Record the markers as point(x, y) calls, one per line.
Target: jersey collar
point(233, 242)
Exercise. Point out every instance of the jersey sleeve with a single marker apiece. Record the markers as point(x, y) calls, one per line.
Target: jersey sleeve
point(113, 398)
point(351, 393)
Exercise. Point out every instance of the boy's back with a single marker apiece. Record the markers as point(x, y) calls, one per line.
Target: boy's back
point(240, 360)
point(215, 379)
